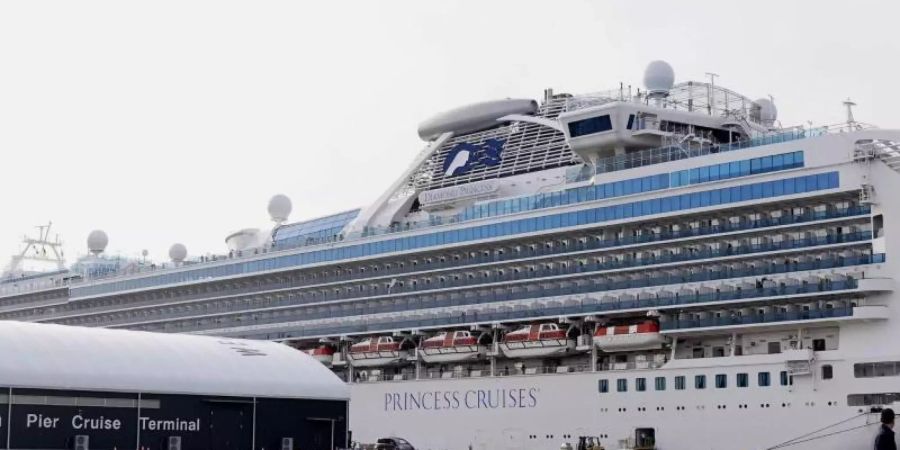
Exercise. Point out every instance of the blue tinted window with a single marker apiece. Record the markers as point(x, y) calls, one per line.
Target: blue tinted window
point(590, 126)
point(700, 382)
point(721, 381)
point(603, 386)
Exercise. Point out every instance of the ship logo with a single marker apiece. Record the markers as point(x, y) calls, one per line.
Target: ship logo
point(465, 156)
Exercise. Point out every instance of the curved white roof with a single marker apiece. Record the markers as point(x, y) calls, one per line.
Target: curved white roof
point(98, 359)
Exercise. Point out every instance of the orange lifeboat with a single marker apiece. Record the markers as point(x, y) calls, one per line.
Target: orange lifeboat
point(535, 341)
point(376, 351)
point(323, 353)
point(621, 338)
point(451, 346)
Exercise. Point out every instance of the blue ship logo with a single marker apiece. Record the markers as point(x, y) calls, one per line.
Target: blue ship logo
point(465, 156)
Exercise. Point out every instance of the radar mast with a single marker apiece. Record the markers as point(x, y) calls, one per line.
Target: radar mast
point(39, 250)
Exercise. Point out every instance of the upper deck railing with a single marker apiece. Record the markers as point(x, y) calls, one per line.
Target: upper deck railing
point(610, 164)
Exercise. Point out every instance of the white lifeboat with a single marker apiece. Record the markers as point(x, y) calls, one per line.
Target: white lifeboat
point(536, 341)
point(621, 338)
point(376, 351)
point(451, 346)
point(323, 353)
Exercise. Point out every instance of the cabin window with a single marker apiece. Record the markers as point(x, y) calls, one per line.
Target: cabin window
point(876, 369)
point(721, 381)
point(603, 386)
point(743, 380)
point(881, 399)
point(827, 372)
point(630, 121)
point(774, 347)
point(640, 384)
point(660, 383)
point(786, 380)
point(622, 385)
point(700, 382)
point(762, 379)
point(591, 125)
point(679, 383)
point(819, 345)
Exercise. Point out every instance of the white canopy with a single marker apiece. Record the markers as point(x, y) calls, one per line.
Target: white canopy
point(63, 357)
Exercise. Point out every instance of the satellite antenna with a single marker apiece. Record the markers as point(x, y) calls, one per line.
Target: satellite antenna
point(178, 252)
point(658, 79)
point(97, 241)
point(280, 207)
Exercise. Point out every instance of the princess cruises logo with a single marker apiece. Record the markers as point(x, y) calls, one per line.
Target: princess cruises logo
point(465, 156)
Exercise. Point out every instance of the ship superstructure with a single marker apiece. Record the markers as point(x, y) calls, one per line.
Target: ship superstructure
point(668, 261)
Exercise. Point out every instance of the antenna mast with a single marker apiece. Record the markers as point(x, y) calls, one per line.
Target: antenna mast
point(40, 249)
point(851, 122)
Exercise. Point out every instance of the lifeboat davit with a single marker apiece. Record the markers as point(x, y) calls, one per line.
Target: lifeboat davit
point(535, 341)
point(621, 338)
point(376, 351)
point(323, 353)
point(451, 346)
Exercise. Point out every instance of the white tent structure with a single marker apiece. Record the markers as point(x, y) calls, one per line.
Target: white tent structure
point(95, 359)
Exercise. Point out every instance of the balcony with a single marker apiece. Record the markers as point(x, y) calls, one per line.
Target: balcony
point(804, 318)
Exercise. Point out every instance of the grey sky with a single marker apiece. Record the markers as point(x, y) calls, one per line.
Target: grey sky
point(175, 121)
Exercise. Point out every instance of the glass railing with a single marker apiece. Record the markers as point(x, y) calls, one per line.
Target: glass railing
point(543, 252)
point(811, 314)
point(677, 153)
point(540, 224)
point(634, 160)
point(479, 282)
point(588, 306)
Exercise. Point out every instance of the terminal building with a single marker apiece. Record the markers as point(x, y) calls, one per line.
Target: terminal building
point(79, 388)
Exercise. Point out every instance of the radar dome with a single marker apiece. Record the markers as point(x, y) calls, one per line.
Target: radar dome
point(280, 207)
point(768, 113)
point(178, 252)
point(97, 241)
point(659, 77)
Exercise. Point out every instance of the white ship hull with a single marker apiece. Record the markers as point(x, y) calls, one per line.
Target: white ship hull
point(540, 412)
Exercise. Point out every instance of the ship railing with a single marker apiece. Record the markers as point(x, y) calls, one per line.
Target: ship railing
point(593, 244)
point(592, 305)
point(631, 365)
point(811, 314)
point(621, 162)
point(276, 248)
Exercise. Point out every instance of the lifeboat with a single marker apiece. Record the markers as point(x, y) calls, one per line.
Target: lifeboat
point(621, 338)
point(451, 346)
point(323, 353)
point(376, 351)
point(537, 341)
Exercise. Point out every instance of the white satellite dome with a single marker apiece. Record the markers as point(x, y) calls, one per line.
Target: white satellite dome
point(768, 113)
point(280, 207)
point(659, 77)
point(178, 252)
point(97, 241)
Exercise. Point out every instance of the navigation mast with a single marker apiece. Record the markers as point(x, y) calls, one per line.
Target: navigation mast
point(40, 249)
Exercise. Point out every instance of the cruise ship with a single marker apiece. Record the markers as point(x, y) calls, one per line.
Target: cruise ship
point(664, 266)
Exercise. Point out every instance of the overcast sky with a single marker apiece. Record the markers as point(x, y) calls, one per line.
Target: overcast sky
point(175, 121)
